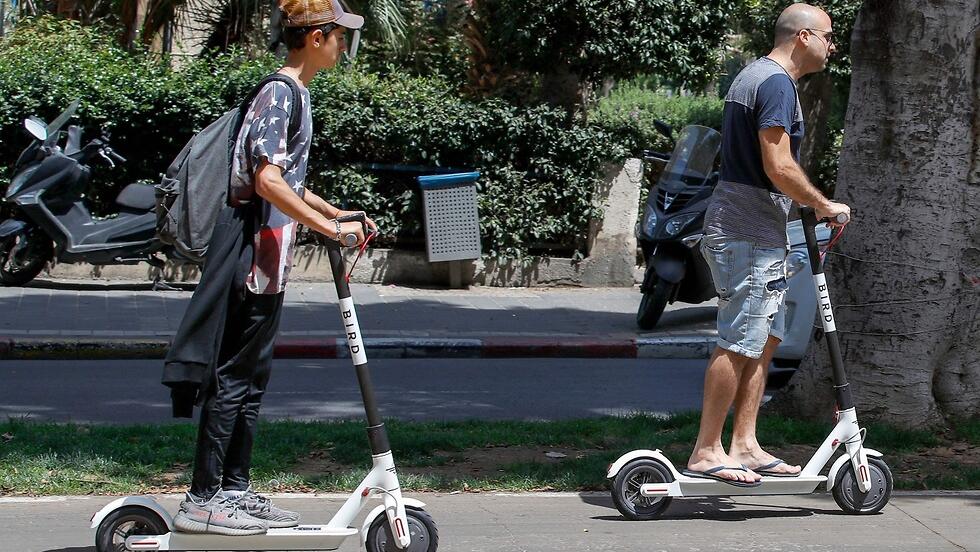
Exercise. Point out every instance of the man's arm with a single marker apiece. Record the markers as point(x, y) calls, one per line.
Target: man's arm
point(789, 178)
point(321, 206)
point(270, 186)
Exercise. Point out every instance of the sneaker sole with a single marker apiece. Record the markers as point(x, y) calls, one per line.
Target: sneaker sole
point(190, 526)
point(281, 524)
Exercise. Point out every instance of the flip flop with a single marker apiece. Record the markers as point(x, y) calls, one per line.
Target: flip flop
point(710, 474)
point(767, 470)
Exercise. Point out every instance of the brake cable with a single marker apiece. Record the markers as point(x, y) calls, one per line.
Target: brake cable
point(833, 240)
point(360, 252)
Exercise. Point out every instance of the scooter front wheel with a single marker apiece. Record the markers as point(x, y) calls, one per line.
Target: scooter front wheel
point(126, 522)
point(425, 535)
point(23, 256)
point(849, 497)
point(626, 489)
point(652, 304)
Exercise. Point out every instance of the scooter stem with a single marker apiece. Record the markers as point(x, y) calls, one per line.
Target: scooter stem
point(376, 431)
point(845, 402)
point(825, 310)
point(383, 476)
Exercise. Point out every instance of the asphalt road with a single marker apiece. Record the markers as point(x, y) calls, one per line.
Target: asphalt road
point(431, 389)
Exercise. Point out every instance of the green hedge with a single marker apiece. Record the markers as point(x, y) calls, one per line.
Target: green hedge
point(631, 109)
point(539, 174)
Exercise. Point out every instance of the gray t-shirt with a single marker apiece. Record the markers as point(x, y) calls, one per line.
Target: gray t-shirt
point(745, 204)
point(265, 135)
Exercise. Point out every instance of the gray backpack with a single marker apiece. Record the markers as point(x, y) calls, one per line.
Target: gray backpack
point(195, 187)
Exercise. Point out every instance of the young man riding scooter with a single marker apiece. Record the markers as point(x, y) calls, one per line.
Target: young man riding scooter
point(745, 241)
point(222, 353)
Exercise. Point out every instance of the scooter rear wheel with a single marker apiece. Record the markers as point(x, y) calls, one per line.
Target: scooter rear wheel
point(626, 489)
point(850, 498)
point(425, 535)
point(22, 257)
point(126, 522)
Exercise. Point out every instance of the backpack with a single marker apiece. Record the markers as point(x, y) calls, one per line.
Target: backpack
point(195, 187)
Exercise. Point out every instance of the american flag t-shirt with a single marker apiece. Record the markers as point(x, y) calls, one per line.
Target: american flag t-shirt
point(265, 136)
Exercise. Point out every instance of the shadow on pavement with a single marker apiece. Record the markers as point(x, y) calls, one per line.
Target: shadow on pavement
point(682, 317)
point(106, 307)
point(102, 285)
point(714, 509)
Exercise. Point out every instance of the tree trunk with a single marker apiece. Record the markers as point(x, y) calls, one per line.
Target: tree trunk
point(816, 92)
point(563, 88)
point(66, 8)
point(485, 77)
point(129, 22)
point(906, 285)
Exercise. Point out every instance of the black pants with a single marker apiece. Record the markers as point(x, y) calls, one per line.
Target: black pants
point(230, 414)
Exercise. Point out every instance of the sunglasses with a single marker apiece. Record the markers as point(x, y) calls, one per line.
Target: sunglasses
point(828, 36)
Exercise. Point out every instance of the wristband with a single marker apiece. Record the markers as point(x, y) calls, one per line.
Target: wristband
point(340, 232)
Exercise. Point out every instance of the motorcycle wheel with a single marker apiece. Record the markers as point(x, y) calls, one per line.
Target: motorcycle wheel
point(23, 256)
point(653, 304)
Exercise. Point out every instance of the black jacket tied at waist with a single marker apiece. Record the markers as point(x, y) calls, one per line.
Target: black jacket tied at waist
point(190, 363)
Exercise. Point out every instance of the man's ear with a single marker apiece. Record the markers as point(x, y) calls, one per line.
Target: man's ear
point(317, 38)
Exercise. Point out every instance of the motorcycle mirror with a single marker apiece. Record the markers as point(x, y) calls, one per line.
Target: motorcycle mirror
point(37, 129)
point(664, 128)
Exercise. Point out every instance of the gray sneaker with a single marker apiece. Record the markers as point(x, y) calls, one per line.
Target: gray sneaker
point(220, 515)
point(262, 508)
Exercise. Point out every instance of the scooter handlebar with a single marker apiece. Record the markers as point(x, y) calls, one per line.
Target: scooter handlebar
point(810, 213)
point(350, 240)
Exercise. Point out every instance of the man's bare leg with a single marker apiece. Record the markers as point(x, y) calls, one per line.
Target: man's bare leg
point(745, 447)
point(721, 382)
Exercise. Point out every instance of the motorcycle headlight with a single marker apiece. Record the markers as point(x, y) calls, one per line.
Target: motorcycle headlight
point(649, 221)
point(676, 224)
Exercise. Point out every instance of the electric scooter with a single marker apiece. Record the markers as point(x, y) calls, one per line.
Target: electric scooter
point(644, 481)
point(140, 523)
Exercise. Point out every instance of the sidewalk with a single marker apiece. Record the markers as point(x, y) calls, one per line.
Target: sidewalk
point(556, 522)
point(105, 320)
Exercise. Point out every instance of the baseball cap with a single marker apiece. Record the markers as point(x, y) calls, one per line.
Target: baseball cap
point(309, 13)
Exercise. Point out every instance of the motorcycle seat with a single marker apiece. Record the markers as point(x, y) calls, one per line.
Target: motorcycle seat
point(140, 197)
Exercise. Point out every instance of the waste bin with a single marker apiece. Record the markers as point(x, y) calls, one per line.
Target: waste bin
point(452, 223)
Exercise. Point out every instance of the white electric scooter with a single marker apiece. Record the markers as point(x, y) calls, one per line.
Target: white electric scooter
point(645, 481)
point(140, 523)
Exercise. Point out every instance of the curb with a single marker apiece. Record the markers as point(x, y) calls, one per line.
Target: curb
point(666, 347)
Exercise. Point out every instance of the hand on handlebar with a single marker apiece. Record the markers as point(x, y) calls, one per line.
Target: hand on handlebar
point(372, 227)
point(350, 230)
point(833, 213)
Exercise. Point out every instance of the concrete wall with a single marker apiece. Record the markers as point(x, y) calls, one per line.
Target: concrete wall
point(611, 261)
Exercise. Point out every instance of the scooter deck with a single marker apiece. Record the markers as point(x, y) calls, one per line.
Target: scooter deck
point(696, 486)
point(303, 537)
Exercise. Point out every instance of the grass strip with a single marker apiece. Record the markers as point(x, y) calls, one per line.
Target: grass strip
point(71, 459)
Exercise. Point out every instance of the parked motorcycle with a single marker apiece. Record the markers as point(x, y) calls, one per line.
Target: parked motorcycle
point(49, 219)
point(670, 231)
